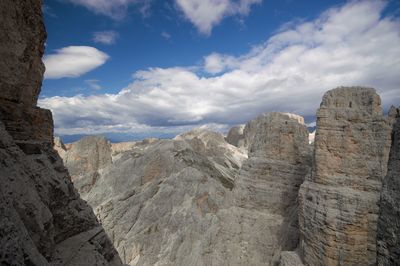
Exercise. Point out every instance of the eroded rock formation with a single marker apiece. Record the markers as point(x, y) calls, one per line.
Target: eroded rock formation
point(388, 242)
point(339, 201)
point(177, 202)
point(43, 221)
point(268, 182)
point(235, 136)
point(159, 198)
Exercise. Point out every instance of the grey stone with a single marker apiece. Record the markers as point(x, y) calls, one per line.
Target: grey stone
point(42, 217)
point(339, 201)
point(388, 236)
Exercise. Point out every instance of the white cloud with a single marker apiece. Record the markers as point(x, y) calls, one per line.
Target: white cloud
point(73, 61)
point(216, 63)
point(105, 37)
point(93, 83)
point(348, 45)
point(166, 35)
point(205, 14)
point(115, 9)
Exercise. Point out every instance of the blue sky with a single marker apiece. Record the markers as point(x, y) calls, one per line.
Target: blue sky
point(136, 68)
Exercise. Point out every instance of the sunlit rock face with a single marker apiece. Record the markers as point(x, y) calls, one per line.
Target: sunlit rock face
point(159, 198)
point(388, 242)
point(177, 202)
point(339, 201)
point(43, 221)
point(236, 136)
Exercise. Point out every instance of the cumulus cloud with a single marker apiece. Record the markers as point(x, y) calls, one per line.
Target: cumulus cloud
point(115, 9)
point(205, 14)
point(73, 61)
point(353, 44)
point(105, 37)
point(216, 63)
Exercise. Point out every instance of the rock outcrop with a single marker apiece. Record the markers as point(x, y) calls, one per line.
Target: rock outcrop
point(186, 201)
point(158, 199)
point(388, 239)
point(43, 221)
point(268, 182)
point(235, 136)
point(339, 201)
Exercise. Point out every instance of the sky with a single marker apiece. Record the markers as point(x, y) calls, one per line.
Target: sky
point(131, 69)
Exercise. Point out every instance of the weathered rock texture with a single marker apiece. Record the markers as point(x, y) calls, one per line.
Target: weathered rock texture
point(158, 199)
point(388, 242)
point(268, 182)
point(235, 136)
point(339, 202)
point(43, 221)
point(176, 202)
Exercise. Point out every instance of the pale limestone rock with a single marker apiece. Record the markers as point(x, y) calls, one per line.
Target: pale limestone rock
point(311, 137)
point(339, 201)
point(85, 159)
point(290, 258)
point(59, 147)
point(159, 202)
point(268, 182)
point(235, 136)
point(169, 202)
point(388, 238)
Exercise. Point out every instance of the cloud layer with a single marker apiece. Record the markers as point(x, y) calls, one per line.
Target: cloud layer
point(73, 61)
point(348, 45)
point(205, 14)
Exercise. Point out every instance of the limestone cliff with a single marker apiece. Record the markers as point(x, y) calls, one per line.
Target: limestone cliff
point(43, 221)
point(339, 201)
point(268, 182)
point(388, 239)
point(188, 201)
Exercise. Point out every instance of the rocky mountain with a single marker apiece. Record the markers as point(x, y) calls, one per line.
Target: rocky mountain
point(260, 196)
point(196, 199)
point(339, 201)
point(389, 215)
point(43, 221)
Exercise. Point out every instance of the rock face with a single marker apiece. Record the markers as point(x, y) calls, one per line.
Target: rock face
point(43, 221)
point(388, 241)
point(177, 202)
point(22, 38)
point(235, 136)
point(339, 200)
point(268, 182)
point(158, 199)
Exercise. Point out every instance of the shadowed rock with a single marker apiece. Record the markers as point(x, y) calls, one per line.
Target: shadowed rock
point(388, 239)
point(43, 221)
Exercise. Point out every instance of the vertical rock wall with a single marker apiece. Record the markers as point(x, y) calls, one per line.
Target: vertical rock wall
point(43, 221)
point(279, 159)
point(340, 201)
point(388, 239)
